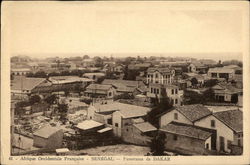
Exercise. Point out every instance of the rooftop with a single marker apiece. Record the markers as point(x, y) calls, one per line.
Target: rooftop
point(24, 83)
point(186, 130)
point(88, 124)
point(46, 131)
point(194, 112)
point(221, 70)
point(232, 118)
point(161, 70)
point(98, 87)
point(145, 127)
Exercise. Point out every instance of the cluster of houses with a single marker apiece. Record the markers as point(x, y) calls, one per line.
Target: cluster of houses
point(192, 129)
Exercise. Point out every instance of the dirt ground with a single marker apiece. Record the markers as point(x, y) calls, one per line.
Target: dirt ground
point(114, 150)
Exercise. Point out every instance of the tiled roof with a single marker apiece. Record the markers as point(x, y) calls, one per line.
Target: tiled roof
point(186, 130)
point(194, 112)
point(163, 86)
point(232, 118)
point(161, 70)
point(46, 131)
point(98, 87)
point(25, 83)
point(226, 88)
point(125, 85)
point(145, 127)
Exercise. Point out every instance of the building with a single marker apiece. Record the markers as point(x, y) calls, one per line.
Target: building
point(24, 85)
point(48, 137)
point(139, 132)
point(187, 138)
point(224, 92)
point(172, 91)
point(221, 73)
point(90, 62)
point(160, 75)
point(94, 76)
point(124, 116)
point(89, 126)
point(127, 86)
point(197, 68)
point(187, 114)
point(229, 127)
point(20, 71)
point(139, 66)
point(100, 91)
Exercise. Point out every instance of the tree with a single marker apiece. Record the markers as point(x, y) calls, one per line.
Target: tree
point(50, 99)
point(34, 99)
point(63, 110)
point(157, 145)
point(86, 57)
point(98, 61)
point(164, 105)
point(40, 74)
point(194, 81)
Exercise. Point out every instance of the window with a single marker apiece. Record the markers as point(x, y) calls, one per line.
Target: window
point(175, 137)
point(176, 101)
point(90, 117)
point(156, 75)
point(157, 91)
point(152, 90)
point(212, 123)
point(176, 91)
point(116, 124)
point(110, 93)
point(172, 91)
point(176, 116)
point(229, 143)
point(109, 121)
point(207, 145)
point(127, 129)
point(239, 143)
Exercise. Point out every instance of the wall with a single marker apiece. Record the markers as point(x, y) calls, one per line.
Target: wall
point(90, 112)
point(117, 118)
point(131, 134)
point(39, 142)
point(222, 130)
point(169, 117)
point(55, 140)
point(184, 143)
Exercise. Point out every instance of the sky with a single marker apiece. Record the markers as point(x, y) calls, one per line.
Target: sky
point(77, 28)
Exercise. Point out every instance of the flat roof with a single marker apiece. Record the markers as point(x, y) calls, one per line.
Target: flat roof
point(88, 124)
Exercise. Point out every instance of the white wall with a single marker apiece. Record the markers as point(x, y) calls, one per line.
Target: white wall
point(169, 117)
point(117, 118)
point(208, 141)
point(222, 130)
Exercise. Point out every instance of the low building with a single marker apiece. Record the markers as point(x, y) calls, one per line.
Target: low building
point(224, 92)
point(197, 67)
point(20, 71)
point(187, 114)
point(124, 116)
point(127, 86)
point(193, 139)
point(48, 137)
point(100, 91)
point(24, 85)
point(139, 132)
point(229, 127)
point(89, 127)
point(221, 73)
point(94, 76)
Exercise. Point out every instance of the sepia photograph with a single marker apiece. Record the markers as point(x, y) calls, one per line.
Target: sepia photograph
point(124, 81)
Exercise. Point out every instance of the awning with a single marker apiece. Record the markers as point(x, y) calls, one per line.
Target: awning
point(104, 130)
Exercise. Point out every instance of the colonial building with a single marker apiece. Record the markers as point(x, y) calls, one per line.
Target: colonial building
point(229, 128)
point(160, 75)
point(221, 73)
point(100, 90)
